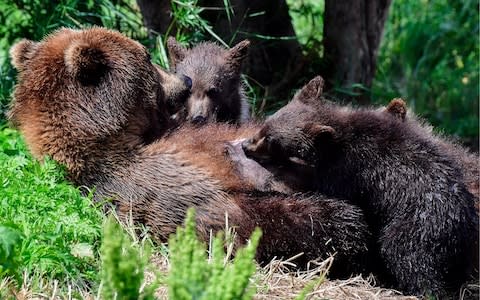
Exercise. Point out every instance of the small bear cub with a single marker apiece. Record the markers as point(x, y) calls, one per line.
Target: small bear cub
point(408, 184)
point(217, 93)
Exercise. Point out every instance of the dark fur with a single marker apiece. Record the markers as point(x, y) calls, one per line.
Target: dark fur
point(217, 92)
point(469, 161)
point(96, 128)
point(408, 183)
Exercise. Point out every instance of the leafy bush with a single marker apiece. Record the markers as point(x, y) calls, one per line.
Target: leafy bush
point(10, 240)
point(307, 19)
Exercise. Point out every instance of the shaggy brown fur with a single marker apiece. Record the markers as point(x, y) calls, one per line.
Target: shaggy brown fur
point(208, 146)
point(408, 182)
point(217, 91)
point(87, 98)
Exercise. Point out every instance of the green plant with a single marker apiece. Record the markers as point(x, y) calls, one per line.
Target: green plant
point(123, 265)
point(430, 56)
point(307, 19)
point(10, 242)
point(190, 26)
point(51, 216)
point(192, 276)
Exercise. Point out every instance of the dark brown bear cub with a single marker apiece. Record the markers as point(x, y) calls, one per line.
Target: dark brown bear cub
point(409, 186)
point(217, 92)
point(87, 98)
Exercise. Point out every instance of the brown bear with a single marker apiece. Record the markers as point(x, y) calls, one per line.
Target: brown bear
point(408, 184)
point(88, 97)
point(217, 92)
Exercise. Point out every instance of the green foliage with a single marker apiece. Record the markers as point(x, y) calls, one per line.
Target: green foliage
point(186, 18)
point(307, 19)
point(44, 220)
point(6, 85)
point(187, 26)
point(123, 265)
point(193, 277)
point(430, 56)
point(10, 242)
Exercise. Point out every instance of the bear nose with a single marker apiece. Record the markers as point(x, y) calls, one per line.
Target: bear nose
point(247, 145)
point(199, 120)
point(188, 81)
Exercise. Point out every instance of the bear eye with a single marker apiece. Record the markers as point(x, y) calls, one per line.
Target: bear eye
point(212, 92)
point(272, 144)
point(188, 81)
point(270, 141)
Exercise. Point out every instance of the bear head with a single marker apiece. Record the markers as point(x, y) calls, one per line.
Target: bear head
point(296, 129)
point(84, 89)
point(217, 92)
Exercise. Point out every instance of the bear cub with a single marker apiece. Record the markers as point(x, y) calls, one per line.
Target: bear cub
point(217, 93)
point(408, 184)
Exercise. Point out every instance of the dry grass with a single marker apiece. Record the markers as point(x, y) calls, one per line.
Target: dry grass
point(274, 281)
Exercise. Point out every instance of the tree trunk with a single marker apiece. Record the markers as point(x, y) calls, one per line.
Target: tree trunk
point(352, 34)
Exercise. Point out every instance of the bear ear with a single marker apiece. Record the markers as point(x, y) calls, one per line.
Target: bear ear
point(176, 52)
point(237, 54)
point(319, 131)
point(21, 52)
point(313, 90)
point(397, 108)
point(87, 63)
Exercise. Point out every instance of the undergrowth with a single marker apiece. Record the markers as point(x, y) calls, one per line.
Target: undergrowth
point(123, 265)
point(430, 56)
point(49, 229)
point(192, 276)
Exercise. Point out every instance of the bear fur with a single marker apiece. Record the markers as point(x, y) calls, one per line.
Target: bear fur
point(409, 185)
point(470, 161)
point(217, 92)
point(87, 98)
